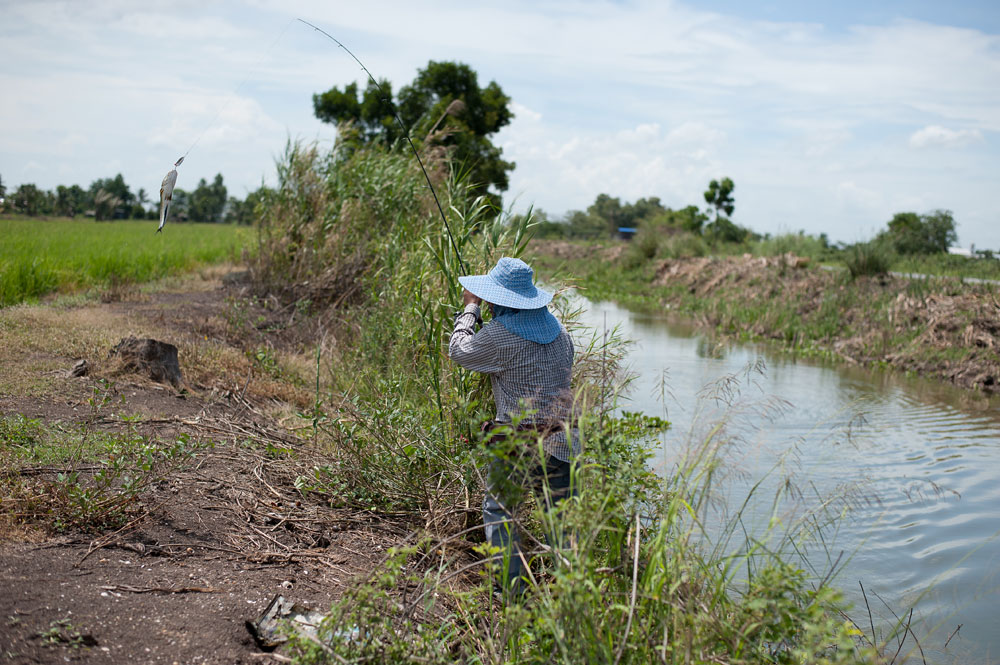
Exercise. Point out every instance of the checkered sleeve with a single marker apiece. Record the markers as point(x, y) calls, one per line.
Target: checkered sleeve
point(472, 350)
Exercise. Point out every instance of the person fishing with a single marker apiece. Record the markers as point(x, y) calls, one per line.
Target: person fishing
point(528, 356)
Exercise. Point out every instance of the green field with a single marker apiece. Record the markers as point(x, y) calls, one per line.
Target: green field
point(38, 257)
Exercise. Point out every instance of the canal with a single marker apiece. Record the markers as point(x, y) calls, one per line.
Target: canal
point(901, 474)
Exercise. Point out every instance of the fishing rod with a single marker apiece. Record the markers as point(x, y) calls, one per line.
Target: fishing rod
point(388, 102)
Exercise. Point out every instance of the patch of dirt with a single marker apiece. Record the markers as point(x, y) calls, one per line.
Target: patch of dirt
point(207, 546)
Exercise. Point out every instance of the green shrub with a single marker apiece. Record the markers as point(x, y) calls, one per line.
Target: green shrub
point(799, 244)
point(867, 259)
point(683, 245)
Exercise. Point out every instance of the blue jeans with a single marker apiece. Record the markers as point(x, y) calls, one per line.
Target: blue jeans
point(506, 484)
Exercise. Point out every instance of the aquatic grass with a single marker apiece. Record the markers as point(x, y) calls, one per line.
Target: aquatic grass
point(39, 257)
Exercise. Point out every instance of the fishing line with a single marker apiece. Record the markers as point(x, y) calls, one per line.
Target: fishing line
point(235, 92)
point(406, 133)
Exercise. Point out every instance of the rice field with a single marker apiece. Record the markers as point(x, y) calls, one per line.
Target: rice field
point(61, 255)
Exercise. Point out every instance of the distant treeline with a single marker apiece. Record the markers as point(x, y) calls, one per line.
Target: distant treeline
point(112, 198)
point(659, 230)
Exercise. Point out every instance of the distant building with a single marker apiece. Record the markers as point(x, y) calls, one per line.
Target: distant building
point(626, 232)
point(962, 251)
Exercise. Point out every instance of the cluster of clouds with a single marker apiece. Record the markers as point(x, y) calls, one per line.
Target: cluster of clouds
point(823, 127)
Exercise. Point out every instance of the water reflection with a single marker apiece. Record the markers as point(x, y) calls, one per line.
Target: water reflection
point(915, 461)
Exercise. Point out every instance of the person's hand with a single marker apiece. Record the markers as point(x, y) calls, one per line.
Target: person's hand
point(470, 298)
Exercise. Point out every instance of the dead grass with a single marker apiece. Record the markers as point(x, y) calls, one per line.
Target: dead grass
point(40, 343)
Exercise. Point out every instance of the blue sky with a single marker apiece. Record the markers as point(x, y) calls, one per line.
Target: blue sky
point(829, 116)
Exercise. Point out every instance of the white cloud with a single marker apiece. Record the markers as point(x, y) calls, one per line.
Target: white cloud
point(642, 98)
point(938, 136)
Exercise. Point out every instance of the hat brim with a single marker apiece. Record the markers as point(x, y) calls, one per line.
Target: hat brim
point(492, 291)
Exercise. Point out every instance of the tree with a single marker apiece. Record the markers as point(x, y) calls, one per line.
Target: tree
point(139, 208)
point(719, 195)
point(444, 105)
point(910, 233)
point(609, 210)
point(242, 212)
point(70, 201)
point(208, 202)
point(723, 229)
point(119, 191)
point(28, 200)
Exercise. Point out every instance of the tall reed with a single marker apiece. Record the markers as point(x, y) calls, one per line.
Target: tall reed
point(635, 580)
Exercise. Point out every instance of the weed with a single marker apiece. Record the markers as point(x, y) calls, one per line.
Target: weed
point(868, 259)
point(80, 477)
point(61, 632)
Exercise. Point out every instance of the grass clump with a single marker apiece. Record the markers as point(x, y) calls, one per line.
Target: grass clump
point(868, 259)
point(77, 476)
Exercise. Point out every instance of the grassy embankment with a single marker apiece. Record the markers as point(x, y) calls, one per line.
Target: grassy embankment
point(38, 257)
point(936, 326)
point(638, 582)
point(355, 242)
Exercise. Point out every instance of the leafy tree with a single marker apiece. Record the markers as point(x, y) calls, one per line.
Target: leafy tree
point(70, 201)
point(444, 105)
point(28, 200)
point(3, 189)
point(208, 202)
point(719, 195)
point(690, 219)
point(642, 210)
point(722, 229)
point(242, 212)
point(119, 192)
point(139, 209)
point(608, 209)
point(580, 224)
point(910, 233)
point(180, 206)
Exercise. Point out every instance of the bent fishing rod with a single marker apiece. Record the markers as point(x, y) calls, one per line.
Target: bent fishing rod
point(388, 102)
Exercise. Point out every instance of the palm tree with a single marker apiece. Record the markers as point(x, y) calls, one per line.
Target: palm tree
point(104, 204)
point(142, 198)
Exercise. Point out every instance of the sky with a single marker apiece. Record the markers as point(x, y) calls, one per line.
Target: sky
point(829, 116)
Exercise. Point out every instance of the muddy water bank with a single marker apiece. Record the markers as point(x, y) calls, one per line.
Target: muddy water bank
point(936, 327)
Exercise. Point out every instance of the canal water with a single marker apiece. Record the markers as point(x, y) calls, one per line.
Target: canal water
point(913, 466)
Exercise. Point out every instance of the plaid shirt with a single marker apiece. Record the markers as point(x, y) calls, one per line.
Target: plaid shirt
point(524, 374)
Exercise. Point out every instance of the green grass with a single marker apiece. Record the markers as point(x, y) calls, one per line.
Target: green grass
point(73, 475)
point(948, 265)
point(38, 257)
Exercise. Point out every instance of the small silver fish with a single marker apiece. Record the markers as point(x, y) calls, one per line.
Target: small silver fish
point(167, 193)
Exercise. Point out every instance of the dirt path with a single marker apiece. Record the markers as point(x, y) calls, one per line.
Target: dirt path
point(206, 546)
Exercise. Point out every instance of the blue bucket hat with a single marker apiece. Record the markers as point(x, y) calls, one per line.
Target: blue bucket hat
point(508, 284)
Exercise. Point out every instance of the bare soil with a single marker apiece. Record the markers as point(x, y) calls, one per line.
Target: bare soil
point(208, 546)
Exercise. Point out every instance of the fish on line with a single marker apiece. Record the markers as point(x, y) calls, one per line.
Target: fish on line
point(167, 193)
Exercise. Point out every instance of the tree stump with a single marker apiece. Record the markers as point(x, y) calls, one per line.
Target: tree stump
point(157, 360)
